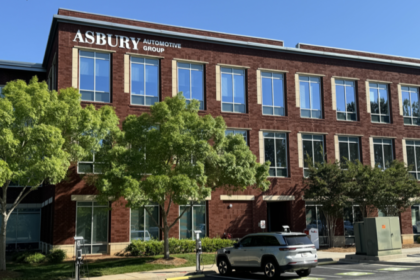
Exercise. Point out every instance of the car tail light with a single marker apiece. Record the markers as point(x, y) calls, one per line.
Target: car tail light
point(287, 249)
point(315, 260)
point(292, 263)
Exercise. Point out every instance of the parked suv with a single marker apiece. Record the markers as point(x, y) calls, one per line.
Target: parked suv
point(273, 253)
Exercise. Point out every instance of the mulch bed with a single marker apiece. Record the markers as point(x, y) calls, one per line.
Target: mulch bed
point(171, 261)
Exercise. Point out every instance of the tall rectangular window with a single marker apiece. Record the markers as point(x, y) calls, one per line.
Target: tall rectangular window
point(275, 150)
point(233, 90)
point(193, 219)
point(1, 91)
point(310, 97)
point(351, 215)
point(191, 82)
point(346, 100)
point(315, 219)
point(410, 101)
point(244, 133)
point(92, 225)
point(90, 163)
point(349, 149)
point(144, 81)
point(413, 157)
point(415, 218)
point(272, 93)
point(143, 226)
point(379, 103)
point(383, 152)
point(95, 76)
point(313, 146)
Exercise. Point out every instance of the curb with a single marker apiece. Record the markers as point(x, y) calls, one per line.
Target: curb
point(380, 262)
point(186, 277)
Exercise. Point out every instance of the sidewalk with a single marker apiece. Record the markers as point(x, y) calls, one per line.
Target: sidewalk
point(324, 258)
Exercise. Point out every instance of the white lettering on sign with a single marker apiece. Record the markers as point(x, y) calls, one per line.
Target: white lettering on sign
point(122, 42)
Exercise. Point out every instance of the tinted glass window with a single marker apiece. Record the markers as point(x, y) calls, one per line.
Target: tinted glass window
point(297, 240)
point(247, 242)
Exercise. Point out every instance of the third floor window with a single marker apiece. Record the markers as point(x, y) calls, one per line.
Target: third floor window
point(191, 82)
point(144, 81)
point(272, 93)
point(310, 97)
point(410, 101)
point(346, 100)
point(379, 103)
point(233, 90)
point(95, 82)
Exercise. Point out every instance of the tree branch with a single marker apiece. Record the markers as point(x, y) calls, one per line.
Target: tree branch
point(169, 205)
point(150, 214)
point(176, 220)
point(17, 202)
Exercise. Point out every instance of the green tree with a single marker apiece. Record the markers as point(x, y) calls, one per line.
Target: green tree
point(175, 156)
point(41, 134)
point(326, 184)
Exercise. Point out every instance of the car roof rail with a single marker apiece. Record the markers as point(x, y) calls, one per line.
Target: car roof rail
point(286, 228)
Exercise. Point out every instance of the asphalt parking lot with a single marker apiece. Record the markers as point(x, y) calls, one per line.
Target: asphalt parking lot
point(339, 271)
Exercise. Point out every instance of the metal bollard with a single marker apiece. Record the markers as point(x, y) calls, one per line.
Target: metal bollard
point(198, 249)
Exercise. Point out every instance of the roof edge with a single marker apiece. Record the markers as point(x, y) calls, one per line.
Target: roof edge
point(18, 65)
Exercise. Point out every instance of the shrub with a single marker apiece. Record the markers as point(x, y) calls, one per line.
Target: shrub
point(29, 257)
point(56, 256)
point(418, 239)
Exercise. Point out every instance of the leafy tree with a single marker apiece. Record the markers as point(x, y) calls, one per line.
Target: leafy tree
point(174, 156)
point(41, 134)
point(326, 184)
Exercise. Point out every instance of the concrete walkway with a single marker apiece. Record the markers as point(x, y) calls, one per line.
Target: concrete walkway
point(189, 272)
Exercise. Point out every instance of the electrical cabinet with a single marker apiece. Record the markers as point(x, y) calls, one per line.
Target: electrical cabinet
point(378, 236)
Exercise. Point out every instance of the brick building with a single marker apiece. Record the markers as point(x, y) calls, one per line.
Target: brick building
point(285, 101)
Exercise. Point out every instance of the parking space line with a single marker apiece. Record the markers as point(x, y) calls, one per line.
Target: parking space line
point(353, 269)
point(320, 275)
point(396, 268)
point(355, 273)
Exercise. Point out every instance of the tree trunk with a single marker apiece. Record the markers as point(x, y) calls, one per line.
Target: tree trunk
point(3, 243)
point(166, 242)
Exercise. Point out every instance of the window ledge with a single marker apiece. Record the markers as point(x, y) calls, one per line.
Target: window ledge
point(96, 102)
point(276, 116)
point(379, 123)
point(283, 178)
point(236, 113)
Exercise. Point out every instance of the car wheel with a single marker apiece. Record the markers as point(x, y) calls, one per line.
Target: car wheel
point(271, 270)
point(224, 267)
point(304, 273)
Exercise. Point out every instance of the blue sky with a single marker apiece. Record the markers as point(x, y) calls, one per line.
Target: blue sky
point(389, 27)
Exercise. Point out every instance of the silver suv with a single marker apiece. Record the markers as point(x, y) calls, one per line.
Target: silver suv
point(273, 253)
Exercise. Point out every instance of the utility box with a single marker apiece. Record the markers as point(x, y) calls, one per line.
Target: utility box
point(378, 236)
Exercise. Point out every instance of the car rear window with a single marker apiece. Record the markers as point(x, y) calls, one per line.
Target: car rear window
point(297, 240)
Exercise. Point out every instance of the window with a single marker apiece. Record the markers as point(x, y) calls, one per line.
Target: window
point(95, 76)
point(410, 101)
point(191, 82)
point(272, 93)
point(349, 149)
point(383, 152)
point(92, 225)
point(346, 100)
point(233, 90)
point(263, 240)
point(193, 219)
point(144, 81)
point(90, 164)
point(310, 97)
point(294, 240)
point(413, 157)
point(144, 227)
point(247, 242)
point(244, 133)
point(1, 91)
point(313, 146)
point(23, 229)
point(315, 219)
point(379, 103)
point(351, 215)
point(415, 218)
point(275, 150)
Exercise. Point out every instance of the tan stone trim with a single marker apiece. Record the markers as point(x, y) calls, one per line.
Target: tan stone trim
point(218, 84)
point(345, 78)
point(300, 149)
point(273, 70)
point(411, 138)
point(68, 249)
point(237, 197)
point(333, 94)
point(259, 87)
point(233, 66)
point(126, 73)
point(93, 49)
point(275, 130)
point(239, 128)
point(378, 81)
point(261, 144)
point(83, 197)
point(117, 247)
point(409, 85)
point(75, 68)
point(310, 74)
point(144, 55)
point(378, 136)
point(400, 101)
point(337, 148)
point(347, 134)
point(367, 96)
point(404, 147)
point(174, 78)
point(315, 133)
point(297, 89)
point(372, 154)
point(279, 198)
point(190, 61)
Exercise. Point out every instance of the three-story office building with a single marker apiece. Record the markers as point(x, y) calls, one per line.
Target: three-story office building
point(286, 102)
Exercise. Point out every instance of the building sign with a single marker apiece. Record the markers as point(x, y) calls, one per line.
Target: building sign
point(123, 42)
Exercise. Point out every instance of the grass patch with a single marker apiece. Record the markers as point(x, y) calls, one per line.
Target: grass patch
point(65, 270)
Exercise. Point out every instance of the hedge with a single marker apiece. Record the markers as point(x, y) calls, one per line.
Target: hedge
point(176, 246)
point(29, 257)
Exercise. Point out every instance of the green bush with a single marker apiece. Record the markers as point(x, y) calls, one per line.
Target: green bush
point(29, 257)
point(56, 256)
point(176, 246)
point(418, 239)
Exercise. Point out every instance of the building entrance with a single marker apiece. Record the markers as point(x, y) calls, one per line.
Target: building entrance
point(278, 215)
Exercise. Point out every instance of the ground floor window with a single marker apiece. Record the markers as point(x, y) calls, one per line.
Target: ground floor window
point(315, 219)
point(415, 218)
point(23, 229)
point(92, 225)
point(143, 226)
point(193, 219)
point(351, 215)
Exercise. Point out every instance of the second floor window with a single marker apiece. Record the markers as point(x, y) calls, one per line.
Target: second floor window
point(383, 152)
point(413, 158)
point(379, 103)
point(310, 97)
point(1, 91)
point(190, 82)
point(233, 90)
point(410, 101)
point(346, 100)
point(244, 133)
point(95, 76)
point(144, 81)
point(275, 149)
point(313, 146)
point(272, 93)
point(349, 149)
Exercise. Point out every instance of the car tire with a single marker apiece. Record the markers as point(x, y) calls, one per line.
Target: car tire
point(271, 269)
point(304, 273)
point(224, 266)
